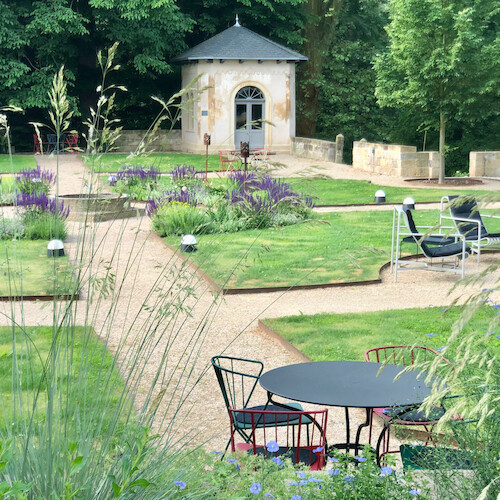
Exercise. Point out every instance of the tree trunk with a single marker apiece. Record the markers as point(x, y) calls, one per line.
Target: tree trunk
point(319, 34)
point(442, 135)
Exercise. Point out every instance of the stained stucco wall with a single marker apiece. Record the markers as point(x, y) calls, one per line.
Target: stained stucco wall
point(215, 114)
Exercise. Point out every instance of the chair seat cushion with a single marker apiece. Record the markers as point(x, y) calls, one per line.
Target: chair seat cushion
point(410, 414)
point(427, 457)
point(246, 418)
point(432, 240)
point(447, 250)
point(306, 456)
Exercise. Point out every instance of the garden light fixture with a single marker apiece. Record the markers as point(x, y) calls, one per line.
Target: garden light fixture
point(409, 203)
point(379, 196)
point(188, 243)
point(55, 248)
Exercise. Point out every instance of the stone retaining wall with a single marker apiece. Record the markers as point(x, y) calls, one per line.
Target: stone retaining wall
point(317, 149)
point(165, 140)
point(484, 163)
point(395, 160)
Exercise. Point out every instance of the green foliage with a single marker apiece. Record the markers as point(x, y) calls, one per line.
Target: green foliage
point(245, 475)
point(443, 60)
point(176, 218)
point(42, 225)
point(347, 102)
point(11, 228)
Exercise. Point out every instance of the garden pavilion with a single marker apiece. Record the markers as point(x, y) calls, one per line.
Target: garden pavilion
point(249, 96)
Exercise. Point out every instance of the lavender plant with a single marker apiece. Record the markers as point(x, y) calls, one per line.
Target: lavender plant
point(138, 182)
point(35, 180)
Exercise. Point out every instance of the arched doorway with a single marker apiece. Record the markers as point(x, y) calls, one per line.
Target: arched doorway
point(249, 113)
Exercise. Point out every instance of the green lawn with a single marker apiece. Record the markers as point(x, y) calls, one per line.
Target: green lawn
point(166, 162)
point(344, 191)
point(91, 366)
point(26, 270)
point(333, 337)
point(334, 248)
point(19, 162)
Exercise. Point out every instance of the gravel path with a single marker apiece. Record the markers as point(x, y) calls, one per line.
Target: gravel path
point(231, 324)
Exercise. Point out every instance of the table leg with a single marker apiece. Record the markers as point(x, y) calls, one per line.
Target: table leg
point(366, 423)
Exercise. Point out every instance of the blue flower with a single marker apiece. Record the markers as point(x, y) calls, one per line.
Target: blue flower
point(277, 461)
point(315, 480)
point(386, 471)
point(360, 459)
point(319, 449)
point(333, 459)
point(296, 497)
point(333, 472)
point(272, 446)
point(269, 495)
point(301, 474)
point(497, 336)
point(293, 483)
point(348, 479)
point(231, 460)
point(440, 349)
point(303, 482)
point(431, 335)
point(496, 306)
point(217, 452)
point(442, 310)
point(180, 484)
point(414, 492)
point(255, 488)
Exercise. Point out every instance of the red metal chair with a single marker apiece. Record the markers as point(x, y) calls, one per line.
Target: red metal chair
point(283, 434)
point(403, 355)
point(226, 160)
point(39, 145)
point(72, 143)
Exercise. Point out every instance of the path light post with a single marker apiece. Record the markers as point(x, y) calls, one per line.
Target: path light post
point(206, 142)
point(245, 153)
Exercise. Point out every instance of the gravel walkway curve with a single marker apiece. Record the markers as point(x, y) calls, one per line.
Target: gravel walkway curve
point(232, 323)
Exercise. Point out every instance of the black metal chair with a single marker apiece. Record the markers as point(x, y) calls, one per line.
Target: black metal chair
point(238, 378)
point(443, 254)
point(464, 212)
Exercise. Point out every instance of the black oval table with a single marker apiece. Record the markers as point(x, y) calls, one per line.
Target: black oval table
point(347, 384)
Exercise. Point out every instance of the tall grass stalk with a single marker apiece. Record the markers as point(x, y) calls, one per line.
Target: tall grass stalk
point(74, 431)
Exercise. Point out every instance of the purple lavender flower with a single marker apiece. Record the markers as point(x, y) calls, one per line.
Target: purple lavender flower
point(138, 174)
point(182, 172)
point(35, 180)
point(42, 203)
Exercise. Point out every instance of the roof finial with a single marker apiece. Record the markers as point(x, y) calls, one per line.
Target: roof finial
point(237, 23)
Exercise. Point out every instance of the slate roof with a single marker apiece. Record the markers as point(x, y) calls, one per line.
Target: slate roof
point(238, 43)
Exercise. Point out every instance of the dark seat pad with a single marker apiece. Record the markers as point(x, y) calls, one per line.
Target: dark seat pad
point(305, 456)
point(412, 414)
point(246, 418)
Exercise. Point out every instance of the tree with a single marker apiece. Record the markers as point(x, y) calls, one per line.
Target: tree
point(346, 102)
point(319, 32)
point(443, 60)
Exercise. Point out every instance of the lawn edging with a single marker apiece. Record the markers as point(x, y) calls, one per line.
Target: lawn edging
point(288, 346)
point(42, 298)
